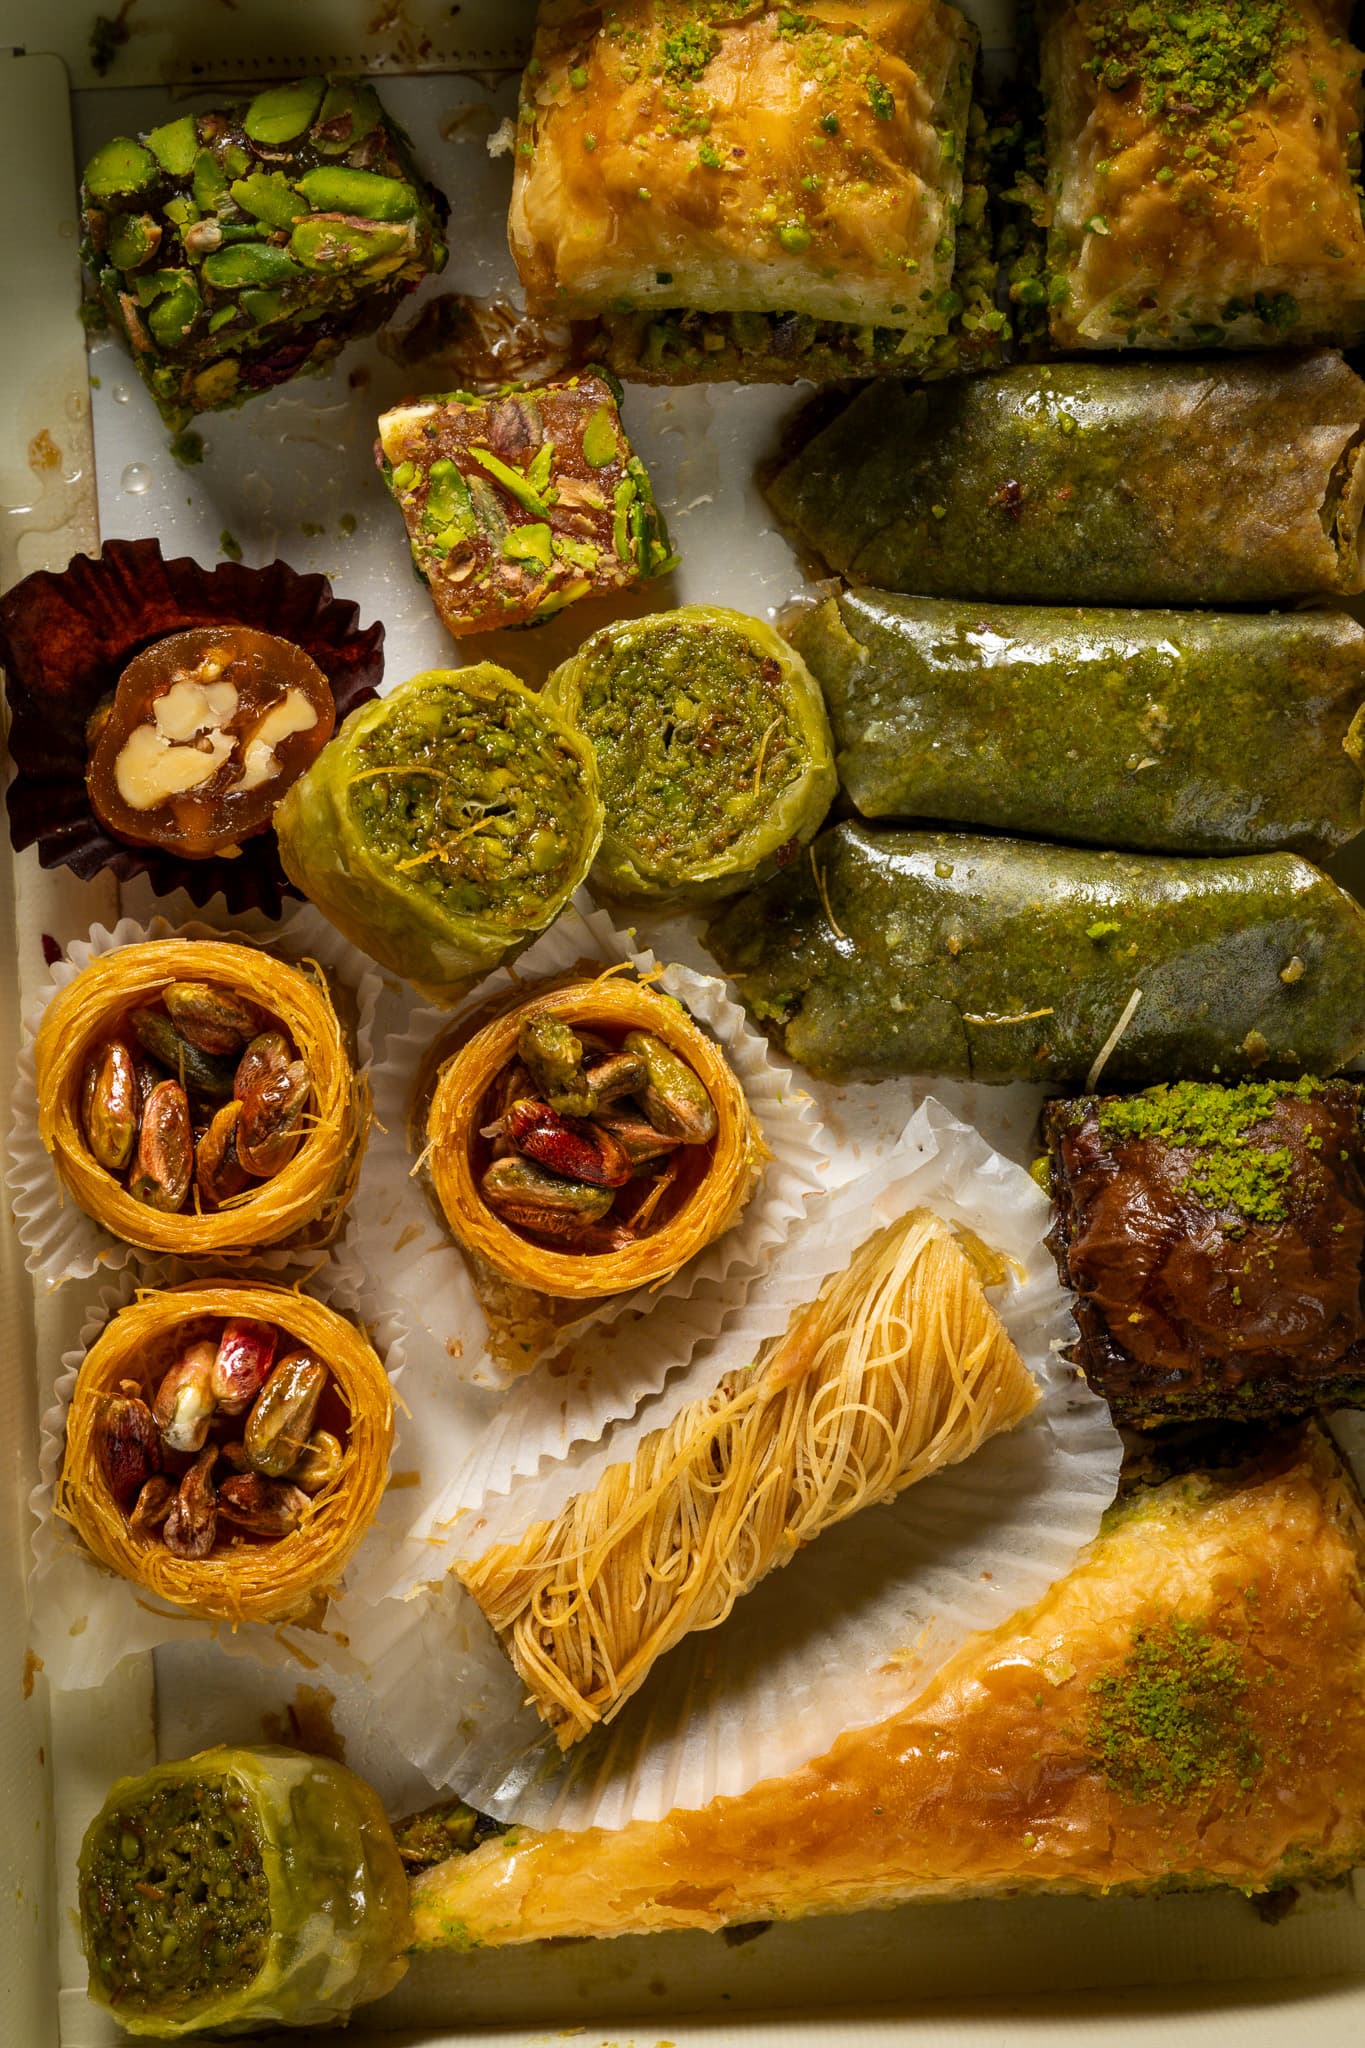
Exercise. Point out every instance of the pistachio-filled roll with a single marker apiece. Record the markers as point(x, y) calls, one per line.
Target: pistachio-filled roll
point(1175, 732)
point(445, 825)
point(1221, 482)
point(895, 952)
point(712, 746)
point(235, 248)
point(238, 1890)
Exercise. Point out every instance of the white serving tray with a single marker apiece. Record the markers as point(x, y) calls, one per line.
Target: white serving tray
point(1189, 1972)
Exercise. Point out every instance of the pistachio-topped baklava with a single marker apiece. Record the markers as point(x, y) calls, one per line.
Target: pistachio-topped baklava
point(747, 191)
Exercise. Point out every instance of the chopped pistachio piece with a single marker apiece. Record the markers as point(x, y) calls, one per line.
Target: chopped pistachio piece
point(511, 515)
point(282, 112)
point(174, 146)
point(122, 167)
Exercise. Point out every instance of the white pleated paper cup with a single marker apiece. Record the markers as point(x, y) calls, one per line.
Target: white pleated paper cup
point(61, 1242)
point(853, 1628)
point(86, 1618)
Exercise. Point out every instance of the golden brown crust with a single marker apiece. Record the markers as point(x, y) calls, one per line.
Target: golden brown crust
point(1015, 1770)
point(303, 1203)
point(744, 158)
point(285, 1580)
point(1171, 227)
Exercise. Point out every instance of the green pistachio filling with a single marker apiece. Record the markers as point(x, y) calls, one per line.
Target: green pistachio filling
point(1170, 1724)
point(1232, 1171)
point(472, 799)
point(176, 1901)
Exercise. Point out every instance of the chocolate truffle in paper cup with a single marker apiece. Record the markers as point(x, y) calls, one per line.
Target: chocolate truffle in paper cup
point(227, 1445)
point(445, 826)
point(201, 1096)
point(90, 659)
point(591, 1138)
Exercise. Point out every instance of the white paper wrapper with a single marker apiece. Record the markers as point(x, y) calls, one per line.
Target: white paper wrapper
point(86, 1619)
point(469, 1437)
point(63, 1243)
point(848, 1632)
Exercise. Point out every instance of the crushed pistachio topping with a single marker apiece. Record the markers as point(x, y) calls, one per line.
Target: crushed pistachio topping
point(1170, 1724)
point(1232, 1171)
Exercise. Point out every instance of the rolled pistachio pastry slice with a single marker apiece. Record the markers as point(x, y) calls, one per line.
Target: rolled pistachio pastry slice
point(445, 825)
point(713, 747)
point(238, 1890)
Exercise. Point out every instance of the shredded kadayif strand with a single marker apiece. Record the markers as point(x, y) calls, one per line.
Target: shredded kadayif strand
point(898, 1368)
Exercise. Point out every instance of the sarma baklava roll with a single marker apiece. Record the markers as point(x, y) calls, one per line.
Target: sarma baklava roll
point(238, 1890)
point(899, 1367)
point(1215, 1240)
point(1203, 173)
point(712, 746)
point(1166, 732)
point(445, 825)
point(1226, 482)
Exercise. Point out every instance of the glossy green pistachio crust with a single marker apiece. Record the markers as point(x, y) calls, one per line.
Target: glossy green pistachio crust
point(445, 825)
point(1174, 732)
point(240, 1890)
point(893, 952)
point(712, 746)
point(236, 248)
point(1226, 482)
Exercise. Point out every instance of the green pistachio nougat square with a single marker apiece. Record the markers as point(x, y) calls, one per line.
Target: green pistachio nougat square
point(522, 501)
point(234, 249)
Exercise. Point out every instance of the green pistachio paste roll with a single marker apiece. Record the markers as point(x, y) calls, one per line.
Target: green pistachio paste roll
point(712, 746)
point(1174, 732)
point(891, 952)
point(238, 1890)
point(445, 825)
point(1203, 483)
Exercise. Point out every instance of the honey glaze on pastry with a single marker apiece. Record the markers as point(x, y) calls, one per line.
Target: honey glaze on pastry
point(1184, 1709)
point(745, 160)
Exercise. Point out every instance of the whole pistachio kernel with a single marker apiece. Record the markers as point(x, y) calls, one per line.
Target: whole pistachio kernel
point(283, 112)
point(362, 194)
point(248, 263)
point(333, 241)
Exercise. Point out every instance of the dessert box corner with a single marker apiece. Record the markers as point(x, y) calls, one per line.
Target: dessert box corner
point(85, 457)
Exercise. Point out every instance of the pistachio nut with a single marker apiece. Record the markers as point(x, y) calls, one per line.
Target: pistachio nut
point(267, 1056)
point(333, 241)
point(129, 1444)
point(566, 1145)
point(638, 1138)
point(268, 196)
point(321, 1463)
point(621, 1073)
point(184, 1404)
point(349, 111)
point(201, 1075)
point(218, 1173)
point(552, 1054)
point(214, 1019)
point(209, 183)
point(265, 1507)
point(362, 194)
point(201, 237)
point(118, 169)
point(241, 1365)
point(282, 112)
point(165, 1149)
point(111, 1105)
point(172, 317)
point(526, 1195)
point(153, 1504)
point(281, 1421)
point(248, 263)
point(271, 1122)
point(133, 240)
point(674, 1100)
point(191, 1527)
point(174, 144)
